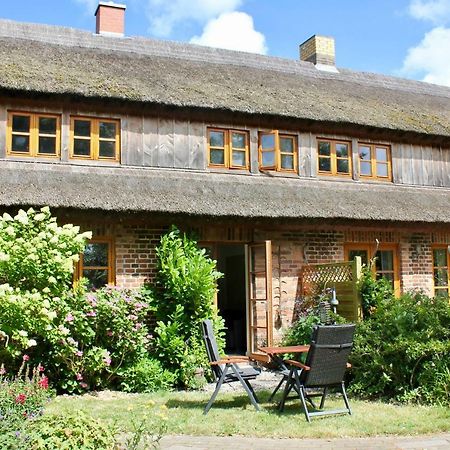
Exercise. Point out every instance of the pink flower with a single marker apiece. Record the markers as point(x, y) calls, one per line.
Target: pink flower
point(25, 358)
point(40, 368)
point(91, 314)
point(79, 353)
point(84, 385)
point(69, 318)
point(107, 361)
point(43, 383)
point(79, 377)
point(21, 399)
point(2, 370)
point(132, 317)
point(109, 333)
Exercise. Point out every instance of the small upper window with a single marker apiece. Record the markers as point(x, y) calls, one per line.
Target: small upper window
point(95, 139)
point(33, 134)
point(277, 152)
point(334, 157)
point(375, 161)
point(228, 148)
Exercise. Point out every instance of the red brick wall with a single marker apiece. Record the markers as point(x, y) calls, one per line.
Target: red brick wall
point(136, 259)
point(135, 254)
point(110, 20)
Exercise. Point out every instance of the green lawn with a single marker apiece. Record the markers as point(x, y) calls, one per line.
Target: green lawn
point(233, 414)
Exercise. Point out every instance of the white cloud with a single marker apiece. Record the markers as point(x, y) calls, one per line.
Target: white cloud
point(435, 11)
point(233, 31)
point(429, 60)
point(165, 15)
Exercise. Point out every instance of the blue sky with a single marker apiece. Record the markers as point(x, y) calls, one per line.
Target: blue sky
point(408, 38)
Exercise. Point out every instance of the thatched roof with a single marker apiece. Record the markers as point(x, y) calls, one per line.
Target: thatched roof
point(56, 60)
point(202, 194)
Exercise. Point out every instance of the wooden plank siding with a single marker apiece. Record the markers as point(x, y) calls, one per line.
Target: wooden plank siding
point(167, 143)
point(420, 165)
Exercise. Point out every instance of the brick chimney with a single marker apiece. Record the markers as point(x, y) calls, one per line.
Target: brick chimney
point(110, 19)
point(320, 51)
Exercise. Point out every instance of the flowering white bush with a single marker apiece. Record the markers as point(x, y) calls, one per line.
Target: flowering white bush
point(85, 340)
point(36, 253)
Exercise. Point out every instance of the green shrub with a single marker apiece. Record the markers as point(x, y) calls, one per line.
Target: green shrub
point(85, 338)
point(402, 351)
point(36, 254)
point(372, 291)
point(102, 332)
point(69, 431)
point(299, 333)
point(146, 375)
point(186, 283)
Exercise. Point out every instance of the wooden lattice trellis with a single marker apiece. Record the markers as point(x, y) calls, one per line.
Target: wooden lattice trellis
point(342, 276)
point(327, 274)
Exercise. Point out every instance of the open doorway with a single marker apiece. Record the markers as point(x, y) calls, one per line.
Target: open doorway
point(231, 298)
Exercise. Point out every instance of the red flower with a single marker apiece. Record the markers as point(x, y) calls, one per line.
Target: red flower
point(21, 398)
point(43, 383)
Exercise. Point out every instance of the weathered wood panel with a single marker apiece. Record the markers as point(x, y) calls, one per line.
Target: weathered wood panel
point(3, 120)
point(305, 156)
point(166, 143)
point(254, 156)
point(132, 153)
point(150, 156)
point(65, 137)
point(197, 146)
point(181, 144)
point(420, 165)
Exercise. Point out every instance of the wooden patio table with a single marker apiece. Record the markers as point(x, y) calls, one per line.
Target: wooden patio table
point(275, 354)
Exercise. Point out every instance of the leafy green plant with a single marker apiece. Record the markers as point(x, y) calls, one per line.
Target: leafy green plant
point(186, 283)
point(402, 350)
point(146, 375)
point(85, 338)
point(69, 431)
point(36, 254)
point(372, 291)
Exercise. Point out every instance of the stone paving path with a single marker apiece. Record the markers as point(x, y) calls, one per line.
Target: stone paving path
point(437, 442)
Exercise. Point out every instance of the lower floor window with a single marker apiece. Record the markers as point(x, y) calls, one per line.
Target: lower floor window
point(386, 261)
point(96, 263)
point(441, 273)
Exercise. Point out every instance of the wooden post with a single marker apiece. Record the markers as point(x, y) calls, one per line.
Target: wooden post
point(357, 272)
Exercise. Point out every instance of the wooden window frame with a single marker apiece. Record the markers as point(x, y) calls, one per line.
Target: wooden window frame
point(441, 288)
point(95, 139)
point(228, 149)
point(80, 267)
point(371, 250)
point(333, 158)
point(277, 150)
point(374, 161)
point(33, 134)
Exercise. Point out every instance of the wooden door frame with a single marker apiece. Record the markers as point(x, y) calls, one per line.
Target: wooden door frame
point(269, 318)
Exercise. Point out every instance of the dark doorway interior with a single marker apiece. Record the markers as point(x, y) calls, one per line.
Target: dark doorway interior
point(231, 298)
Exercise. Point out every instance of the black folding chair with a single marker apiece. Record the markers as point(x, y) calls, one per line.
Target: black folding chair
point(225, 369)
point(324, 368)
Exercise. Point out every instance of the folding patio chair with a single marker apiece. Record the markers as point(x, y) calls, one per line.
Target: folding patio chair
point(225, 369)
point(324, 368)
